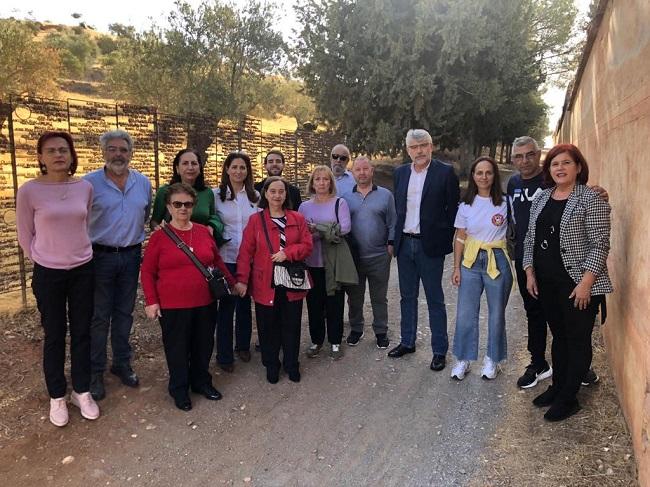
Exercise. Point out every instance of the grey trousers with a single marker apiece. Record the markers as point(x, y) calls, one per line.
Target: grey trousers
point(376, 270)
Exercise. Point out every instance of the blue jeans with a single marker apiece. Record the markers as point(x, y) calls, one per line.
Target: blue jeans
point(228, 307)
point(116, 285)
point(497, 291)
point(414, 265)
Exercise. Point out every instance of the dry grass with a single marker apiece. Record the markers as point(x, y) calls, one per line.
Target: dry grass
point(593, 448)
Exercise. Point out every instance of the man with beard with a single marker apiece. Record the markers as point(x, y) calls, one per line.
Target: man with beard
point(120, 208)
point(274, 165)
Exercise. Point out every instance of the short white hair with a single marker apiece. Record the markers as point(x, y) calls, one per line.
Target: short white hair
point(418, 135)
point(106, 137)
point(525, 140)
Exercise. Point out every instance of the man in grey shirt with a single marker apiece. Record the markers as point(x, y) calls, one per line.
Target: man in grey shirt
point(372, 209)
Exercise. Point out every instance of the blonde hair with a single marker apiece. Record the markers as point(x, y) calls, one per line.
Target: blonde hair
point(326, 170)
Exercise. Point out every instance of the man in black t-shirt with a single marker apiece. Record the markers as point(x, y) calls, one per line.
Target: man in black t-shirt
point(522, 189)
point(274, 165)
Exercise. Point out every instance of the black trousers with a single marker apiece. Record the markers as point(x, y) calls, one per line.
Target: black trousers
point(278, 327)
point(64, 296)
point(323, 308)
point(188, 339)
point(536, 320)
point(571, 329)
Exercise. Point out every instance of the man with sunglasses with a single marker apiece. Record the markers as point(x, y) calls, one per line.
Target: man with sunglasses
point(522, 189)
point(339, 158)
point(120, 209)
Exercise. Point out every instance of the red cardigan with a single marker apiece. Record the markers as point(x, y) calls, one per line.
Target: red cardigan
point(254, 265)
point(169, 277)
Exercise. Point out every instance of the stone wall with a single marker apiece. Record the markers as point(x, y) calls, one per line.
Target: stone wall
point(607, 115)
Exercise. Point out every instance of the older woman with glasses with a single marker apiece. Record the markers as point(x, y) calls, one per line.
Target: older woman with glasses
point(178, 295)
point(52, 214)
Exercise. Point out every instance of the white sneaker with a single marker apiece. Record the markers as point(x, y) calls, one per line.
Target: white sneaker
point(460, 369)
point(86, 404)
point(490, 369)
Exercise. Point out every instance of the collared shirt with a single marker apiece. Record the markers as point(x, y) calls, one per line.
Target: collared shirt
point(345, 183)
point(234, 214)
point(373, 220)
point(118, 217)
point(414, 198)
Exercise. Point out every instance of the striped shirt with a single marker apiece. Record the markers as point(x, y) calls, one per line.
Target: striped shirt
point(281, 223)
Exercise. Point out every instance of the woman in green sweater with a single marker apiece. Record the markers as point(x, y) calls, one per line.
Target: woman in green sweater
point(188, 169)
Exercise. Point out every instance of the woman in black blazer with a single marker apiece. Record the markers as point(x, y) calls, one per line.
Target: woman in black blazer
point(565, 259)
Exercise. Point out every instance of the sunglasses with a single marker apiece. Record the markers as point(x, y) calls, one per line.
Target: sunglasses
point(338, 157)
point(180, 204)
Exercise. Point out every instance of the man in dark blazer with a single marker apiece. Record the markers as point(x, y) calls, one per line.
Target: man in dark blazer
point(426, 200)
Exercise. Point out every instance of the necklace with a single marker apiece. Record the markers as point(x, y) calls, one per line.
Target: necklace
point(191, 232)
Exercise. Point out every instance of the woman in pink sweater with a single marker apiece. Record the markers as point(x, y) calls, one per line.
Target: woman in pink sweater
point(52, 222)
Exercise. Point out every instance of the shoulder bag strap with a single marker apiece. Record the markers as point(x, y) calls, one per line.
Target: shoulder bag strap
point(336, 209)
point(266, 232)
point(183, 246)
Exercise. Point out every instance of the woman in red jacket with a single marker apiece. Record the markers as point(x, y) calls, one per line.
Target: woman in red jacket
point(278, 310)
point(176, 292)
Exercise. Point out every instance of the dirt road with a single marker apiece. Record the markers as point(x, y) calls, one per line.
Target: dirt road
point(364, 420)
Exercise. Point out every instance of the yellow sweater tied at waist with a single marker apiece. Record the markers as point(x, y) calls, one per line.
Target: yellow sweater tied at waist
point(472, 248)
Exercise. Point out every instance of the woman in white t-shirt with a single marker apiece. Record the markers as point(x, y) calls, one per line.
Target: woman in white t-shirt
point(481, 262)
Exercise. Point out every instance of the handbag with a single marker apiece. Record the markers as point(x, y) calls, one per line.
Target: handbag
point(289, 275)
point(511, 234)
point(215, 278)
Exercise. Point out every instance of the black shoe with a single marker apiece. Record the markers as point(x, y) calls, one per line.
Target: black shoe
point(208, 391)
point(97, 389)
point(438, 362)
point(183, 403)
point(534, 374)
point(562, 410)
point(400, 350)
point(294, 376)
point(353, 338)
point(272, 375)
point(126, 375)
point(382, 340)
point(244, 355)
point(590, 378)
point(227, 367)
point(546, 398)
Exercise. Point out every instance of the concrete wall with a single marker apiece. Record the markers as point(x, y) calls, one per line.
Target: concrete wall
point(608, 117)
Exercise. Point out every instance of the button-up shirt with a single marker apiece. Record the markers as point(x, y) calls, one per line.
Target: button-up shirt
point(234, 214)
point(118, 217)
point(413, 200)
point(345, 183)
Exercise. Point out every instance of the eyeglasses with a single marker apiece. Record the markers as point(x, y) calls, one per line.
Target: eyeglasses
point(339, 157)
point(528, 155)
point(180, 204)
point(53, 150)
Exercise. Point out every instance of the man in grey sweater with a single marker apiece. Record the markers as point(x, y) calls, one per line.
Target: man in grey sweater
point(372, 209)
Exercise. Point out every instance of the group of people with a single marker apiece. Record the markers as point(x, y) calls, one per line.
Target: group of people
point(85, 238)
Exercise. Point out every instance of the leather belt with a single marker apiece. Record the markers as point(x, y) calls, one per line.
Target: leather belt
point(114, 250)
point(412, 235)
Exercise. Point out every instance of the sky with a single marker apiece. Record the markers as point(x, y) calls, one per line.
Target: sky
point(141, 14)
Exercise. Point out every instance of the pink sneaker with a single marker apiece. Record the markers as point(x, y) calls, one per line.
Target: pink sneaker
point(58, 412)
point(86, 404)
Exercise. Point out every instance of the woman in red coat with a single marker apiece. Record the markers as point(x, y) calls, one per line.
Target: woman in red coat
point(178, 295)
point(278, 310)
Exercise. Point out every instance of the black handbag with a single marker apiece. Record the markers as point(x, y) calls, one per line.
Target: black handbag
point(215, 278)
point(290, 275)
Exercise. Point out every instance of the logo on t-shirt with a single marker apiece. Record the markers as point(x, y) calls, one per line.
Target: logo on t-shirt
point(522, 194)
point(497, 220)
